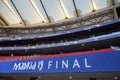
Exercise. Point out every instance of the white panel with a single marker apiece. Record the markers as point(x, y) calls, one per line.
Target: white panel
point(100, 4)
point(69, 7)
point(84, 6)
point(53, 9)
point(41, 10)
point(8, 15)
point(27, 11)
point(13, 9)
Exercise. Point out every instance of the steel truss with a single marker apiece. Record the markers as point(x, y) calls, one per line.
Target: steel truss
point(69, 24)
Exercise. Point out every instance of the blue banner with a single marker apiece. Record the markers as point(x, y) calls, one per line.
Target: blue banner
point(97, 62)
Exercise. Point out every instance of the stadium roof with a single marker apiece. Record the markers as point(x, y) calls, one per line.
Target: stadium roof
point(47, 11)
point(22, 13)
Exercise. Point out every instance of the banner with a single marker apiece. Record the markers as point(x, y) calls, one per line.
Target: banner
point(92, 61)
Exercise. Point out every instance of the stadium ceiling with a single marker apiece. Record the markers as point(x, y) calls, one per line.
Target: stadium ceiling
point(42, 14)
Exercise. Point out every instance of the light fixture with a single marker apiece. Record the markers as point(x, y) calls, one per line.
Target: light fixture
point(83, 44)
point(70, 77)
point(115, 77)
point(39, 77)
point(14, 76)
point(12, 54)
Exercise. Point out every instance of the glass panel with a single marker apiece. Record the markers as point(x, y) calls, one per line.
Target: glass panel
point(13, 9)
point(32, 11)
point(54, 10)
point(27, 11)
point(68, 7)
point(84, 6)
point(41, 10)
point(99, 4)
point(8, 15)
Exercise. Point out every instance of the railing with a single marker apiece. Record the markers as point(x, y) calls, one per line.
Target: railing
point(61, 33)
point(82, 41)
point(10, 58)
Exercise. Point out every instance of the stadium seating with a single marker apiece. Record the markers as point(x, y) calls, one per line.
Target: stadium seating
point(57, 43)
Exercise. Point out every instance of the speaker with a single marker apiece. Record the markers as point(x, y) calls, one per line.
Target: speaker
point(92, 78)
point(33, 78)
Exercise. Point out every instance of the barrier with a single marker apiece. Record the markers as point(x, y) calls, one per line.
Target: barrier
point(106, 60)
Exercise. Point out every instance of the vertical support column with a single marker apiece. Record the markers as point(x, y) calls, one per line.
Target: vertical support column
point(114, 9)
point(115, 13)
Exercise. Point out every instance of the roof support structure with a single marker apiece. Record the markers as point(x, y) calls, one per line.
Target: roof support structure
point(114, 9)
point(18, 12)
point(66, 17)
point(32, 3)
point(94, 18)
point(45, 11)
point(93, 6)
point(4, 21)
point(10, 8)
point(75, 8)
